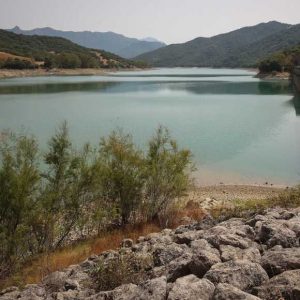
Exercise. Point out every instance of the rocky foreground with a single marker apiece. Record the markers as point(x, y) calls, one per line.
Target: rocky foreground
point(255, 258)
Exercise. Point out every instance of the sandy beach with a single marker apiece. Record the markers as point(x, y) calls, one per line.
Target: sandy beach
point(209, 196)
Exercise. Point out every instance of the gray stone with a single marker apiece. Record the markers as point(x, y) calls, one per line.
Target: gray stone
point(179, 267)
point(191, 288)
point(283, 286)
point(240, 273)
point(226, 291)
point(204, 256)
point(233, 253)
point(55, 281)
point(164, 254)
point(276, 233)
point(277, 261)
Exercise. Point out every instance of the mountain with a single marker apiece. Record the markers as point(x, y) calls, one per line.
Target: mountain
point(108, 41)
point(238, 48)
point(62, 52)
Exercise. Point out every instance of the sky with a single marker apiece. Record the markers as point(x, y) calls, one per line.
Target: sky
point(171, 21)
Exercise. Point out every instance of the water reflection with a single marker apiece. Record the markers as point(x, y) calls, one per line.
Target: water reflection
point(198, 87)
point(48, 88)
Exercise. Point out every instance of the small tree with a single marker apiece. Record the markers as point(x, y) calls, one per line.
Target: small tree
point(167, 172)
point(19, 178)
point(69, 182)
point(122, 178)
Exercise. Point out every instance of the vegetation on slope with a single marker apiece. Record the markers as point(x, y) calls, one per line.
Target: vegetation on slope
point(74, 194)
point(240, 48)
point(283, 61)
point(55, 52)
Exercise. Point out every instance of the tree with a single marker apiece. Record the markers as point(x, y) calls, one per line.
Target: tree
point(68, 189)
point(167, 172)
point(122, 179)
point(19, 178)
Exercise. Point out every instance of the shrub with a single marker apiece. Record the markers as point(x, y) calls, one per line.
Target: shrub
point(19, 178)
point(167, 173)
point(122, 268)
point(122, 169)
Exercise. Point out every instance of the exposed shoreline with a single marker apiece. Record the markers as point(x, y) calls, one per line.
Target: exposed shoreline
point(208, 196)
point(274, 75)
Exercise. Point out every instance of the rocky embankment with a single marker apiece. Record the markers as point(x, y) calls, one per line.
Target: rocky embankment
point(255, 258)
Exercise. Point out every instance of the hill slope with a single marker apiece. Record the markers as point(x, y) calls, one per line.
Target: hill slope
point(242, 47)
point(108, 41)
point(41, 48)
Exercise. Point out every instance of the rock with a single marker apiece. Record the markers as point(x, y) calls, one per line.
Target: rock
point(283, 286)
point(151, 289)
point(226, 291)
point(204, 256)
point(55, 281)
point(278, 261)
point(163, 254)
point(127, 243)
point(229, 239)
point(10, 293)
point(71, 284)
point(240, 273)
point(187, 237)
point(191, 288)
point(233, 253)
point(276, 233)
point(179, 267)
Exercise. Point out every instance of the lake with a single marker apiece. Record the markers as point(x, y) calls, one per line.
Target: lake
point(239, 128)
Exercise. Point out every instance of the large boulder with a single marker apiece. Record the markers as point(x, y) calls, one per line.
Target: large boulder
point(204, 257)
point(55, 282)
point(179, 267)
point(226, 291)
point(283, 286)
point(164, 254)
point(276, 232)
point(149, 290)
point(278, 261)
point(191, 288)
point(233, 253)
point(240, 273)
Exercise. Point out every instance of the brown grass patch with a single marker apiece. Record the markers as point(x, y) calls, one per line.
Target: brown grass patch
point(5, 56)
point(39, 267)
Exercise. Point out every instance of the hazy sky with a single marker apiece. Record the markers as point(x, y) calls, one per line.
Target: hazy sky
point(171, 21)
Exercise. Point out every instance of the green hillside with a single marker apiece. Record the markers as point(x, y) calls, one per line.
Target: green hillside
point(239, 48)
point(57, 52)
point(283, 61)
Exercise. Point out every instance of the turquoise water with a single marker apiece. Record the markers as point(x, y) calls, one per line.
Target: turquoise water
point(240, 129)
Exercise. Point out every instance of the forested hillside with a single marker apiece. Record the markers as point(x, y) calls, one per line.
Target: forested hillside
point(54, 52)
point(240, 48)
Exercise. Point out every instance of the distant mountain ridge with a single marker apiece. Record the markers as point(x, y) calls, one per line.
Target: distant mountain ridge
point(57, 52)
point(239, 48)
point(109, 41)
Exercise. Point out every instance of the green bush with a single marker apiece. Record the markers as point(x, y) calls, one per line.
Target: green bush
point(45, 204)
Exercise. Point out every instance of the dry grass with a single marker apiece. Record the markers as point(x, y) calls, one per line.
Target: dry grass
point(37, 268)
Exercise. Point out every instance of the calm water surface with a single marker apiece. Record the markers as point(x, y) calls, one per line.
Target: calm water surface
point(240, 129)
